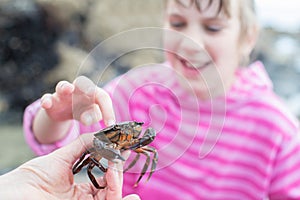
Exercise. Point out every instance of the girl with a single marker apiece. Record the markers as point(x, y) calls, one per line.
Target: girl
point(222, 133)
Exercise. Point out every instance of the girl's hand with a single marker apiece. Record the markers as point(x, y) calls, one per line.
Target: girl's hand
point(81, 100)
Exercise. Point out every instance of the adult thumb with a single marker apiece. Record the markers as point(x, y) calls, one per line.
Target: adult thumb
point(74, 150)
point(132, 197)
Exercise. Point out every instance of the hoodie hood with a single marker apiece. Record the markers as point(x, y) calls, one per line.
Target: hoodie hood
point(250, 81)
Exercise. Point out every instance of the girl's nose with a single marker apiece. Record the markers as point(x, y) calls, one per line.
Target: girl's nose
point(192, 40)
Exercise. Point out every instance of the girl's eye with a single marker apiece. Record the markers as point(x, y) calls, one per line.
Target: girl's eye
point(177, 24)
point(212, 28)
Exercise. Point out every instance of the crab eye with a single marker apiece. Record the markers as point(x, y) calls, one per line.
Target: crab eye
point(131, 123)
point(139, 123)
point(116, 127)
point(138, 128)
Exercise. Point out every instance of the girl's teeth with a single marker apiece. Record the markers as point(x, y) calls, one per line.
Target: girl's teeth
point(189, 65)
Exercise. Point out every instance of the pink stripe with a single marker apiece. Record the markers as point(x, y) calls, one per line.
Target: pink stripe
point(292, 188)
point(247, 151)
point(181, 191)
point(238, 127)
point(215, 185)
point(259, 168)
point(261, 140)
point(290, 173)
point(216, 159)
point(219, 160)
point(268, 109)
point(290, 164)
point(263, 121)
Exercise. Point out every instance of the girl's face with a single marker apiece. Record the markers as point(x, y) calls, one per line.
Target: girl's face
point(204, 47)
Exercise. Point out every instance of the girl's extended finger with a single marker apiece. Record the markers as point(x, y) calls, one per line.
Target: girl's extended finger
point(46, 101)
point(64, 88)
point(104, 101)
point(85, 85)
point(91, 115)
point(99, 96)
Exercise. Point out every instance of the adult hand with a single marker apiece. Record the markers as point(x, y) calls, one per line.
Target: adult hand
point(51, 177)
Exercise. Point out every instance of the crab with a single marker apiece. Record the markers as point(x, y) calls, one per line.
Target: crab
point(109, 142)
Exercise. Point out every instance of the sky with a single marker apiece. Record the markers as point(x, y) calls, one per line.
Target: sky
point(283, 15)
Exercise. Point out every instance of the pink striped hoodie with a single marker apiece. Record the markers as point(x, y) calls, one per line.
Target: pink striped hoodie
point(244, 145)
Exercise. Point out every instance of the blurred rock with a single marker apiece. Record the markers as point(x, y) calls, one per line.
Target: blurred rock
point(70, 64)
point(107, 18)
point(27, 52)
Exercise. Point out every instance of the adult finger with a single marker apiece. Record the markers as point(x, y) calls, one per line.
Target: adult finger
point(74, 150)
point(114, 178)
point(126, 154)
point(132, 197)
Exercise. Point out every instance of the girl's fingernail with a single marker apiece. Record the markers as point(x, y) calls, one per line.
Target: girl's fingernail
point(46, 102)
point(88, 119)
point(62, 85)
point(90, 91)
point(110, 122)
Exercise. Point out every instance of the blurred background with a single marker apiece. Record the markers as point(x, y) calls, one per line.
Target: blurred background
point(44, 41)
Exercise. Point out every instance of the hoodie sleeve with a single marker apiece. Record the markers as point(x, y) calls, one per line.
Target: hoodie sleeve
point(38, 148)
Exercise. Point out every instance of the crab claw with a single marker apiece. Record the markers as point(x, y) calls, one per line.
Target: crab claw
point(107, 151)
point(111, 154)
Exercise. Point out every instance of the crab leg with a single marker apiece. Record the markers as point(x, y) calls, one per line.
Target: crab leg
point(95, 160)
point(147, 138)
point(140, 150)
point(154, 160)
point(132, 163)
point(77, 167)
point(92, 177)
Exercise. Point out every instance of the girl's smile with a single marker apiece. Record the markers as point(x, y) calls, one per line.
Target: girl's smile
point(192, 69)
